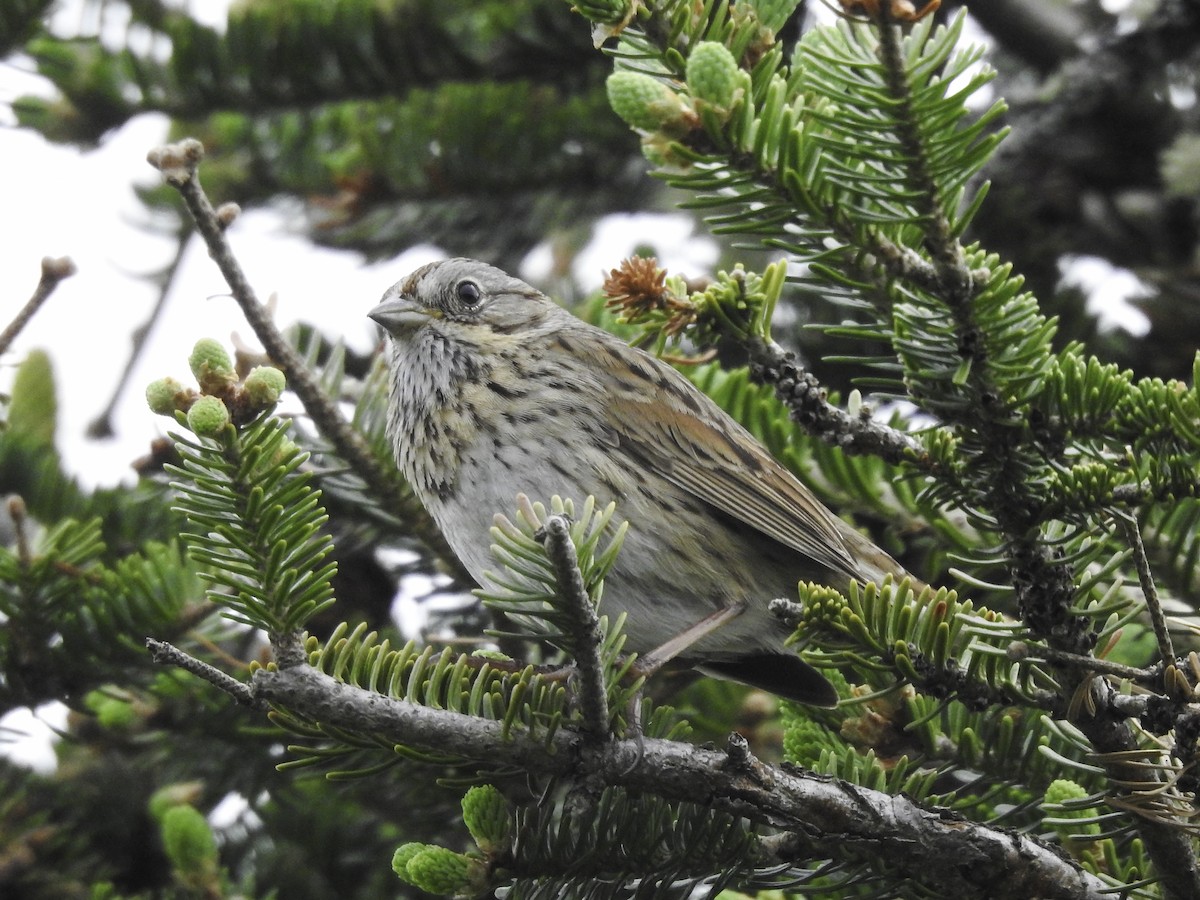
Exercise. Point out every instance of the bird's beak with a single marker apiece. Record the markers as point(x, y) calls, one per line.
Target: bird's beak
point(400, 314)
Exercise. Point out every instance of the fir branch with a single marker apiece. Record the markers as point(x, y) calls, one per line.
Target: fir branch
point(1045, 585)
point(179, 164)
point(802, 394)
point(261, 531)
point(586, 636)
point(1144, 494)
point(54, 272)
point(1046, 590)
point(972, 345)
point(1168, 845)
point(822, 817)
point(953, 277)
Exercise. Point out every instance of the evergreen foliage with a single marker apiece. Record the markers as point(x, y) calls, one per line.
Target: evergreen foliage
point(1035, 691)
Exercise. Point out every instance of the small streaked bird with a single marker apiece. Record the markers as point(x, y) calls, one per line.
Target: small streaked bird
point(497, 391)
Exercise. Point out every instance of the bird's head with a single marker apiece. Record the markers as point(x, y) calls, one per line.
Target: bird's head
point(463, 297)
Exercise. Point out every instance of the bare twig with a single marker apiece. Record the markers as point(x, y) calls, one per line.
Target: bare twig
point(170, 655)
point(585, 627)
point(54, 271)
point(1133, 534)
point(179, 164)
point(1021, 651)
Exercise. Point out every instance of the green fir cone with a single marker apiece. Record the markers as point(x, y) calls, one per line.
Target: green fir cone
point(161, 394)
point(171, 795)
point(712, 74)
point(486, 813)
point(822, 605)
point(112, 713)
point(211, 365)
point(804, 740)
point(1061, 791)
point(263, 386)
point(208, 417)
point(188, 841)
point(404, 853)
point(440, 871)
point(646, 103)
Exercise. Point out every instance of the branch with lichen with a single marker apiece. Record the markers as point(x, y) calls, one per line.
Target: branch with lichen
point(817, 816)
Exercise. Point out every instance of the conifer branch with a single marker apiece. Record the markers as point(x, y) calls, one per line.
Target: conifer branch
point(967, 352)
point(1021, 651)
point(953, 277)
point(802, 393)
point(820, 817)
point(1045, 585)
point(179, 164)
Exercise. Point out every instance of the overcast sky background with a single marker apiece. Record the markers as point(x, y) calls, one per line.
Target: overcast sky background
point(58, 201)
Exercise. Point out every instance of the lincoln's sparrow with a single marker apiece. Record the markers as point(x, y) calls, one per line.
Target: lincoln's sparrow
point(497, 391)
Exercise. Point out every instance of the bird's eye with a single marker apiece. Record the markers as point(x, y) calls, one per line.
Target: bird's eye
point(468, 293)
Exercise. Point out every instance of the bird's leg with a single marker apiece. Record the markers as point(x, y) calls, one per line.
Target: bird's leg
point(657, 658)
point(647, 665)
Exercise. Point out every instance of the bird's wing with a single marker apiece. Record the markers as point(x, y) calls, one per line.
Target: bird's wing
point(661, 419)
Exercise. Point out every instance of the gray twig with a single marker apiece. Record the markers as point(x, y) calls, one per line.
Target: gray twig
point(810, 408)
point(170, 655)
point(1133, 534)
point(1020, 651)
point(54, 271)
